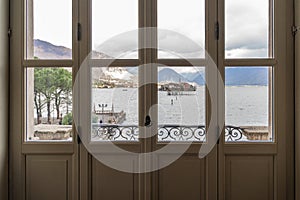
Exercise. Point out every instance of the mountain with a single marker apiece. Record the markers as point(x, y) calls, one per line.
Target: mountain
point(199, 79)
point(114, 73)
point(235, 76)
point(189, 75)
point(246, 76)
point(169, 75)
point(46, 50)
point(133, 70)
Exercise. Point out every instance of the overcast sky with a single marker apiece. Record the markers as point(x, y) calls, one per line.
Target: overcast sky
point(246, 25)
point(53, 23)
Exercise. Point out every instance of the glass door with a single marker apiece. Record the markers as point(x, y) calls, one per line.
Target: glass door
point(149, 86)
point(146, 76)
point(252, 63)
point(165, 81)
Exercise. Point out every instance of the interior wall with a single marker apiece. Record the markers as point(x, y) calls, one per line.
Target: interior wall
point(297, 96)
point(4, 69)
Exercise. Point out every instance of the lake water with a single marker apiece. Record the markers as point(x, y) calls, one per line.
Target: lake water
point(245, 105)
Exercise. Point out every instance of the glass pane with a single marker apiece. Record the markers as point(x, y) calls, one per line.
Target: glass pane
point(114, 103)
point(248, 93)
point(181, 28)
point(48, 104)
point(48, 29)
point(247, 29)
point(181, 100)
point(115, 29)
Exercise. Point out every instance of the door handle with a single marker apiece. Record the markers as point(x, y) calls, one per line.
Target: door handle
point(148, 121)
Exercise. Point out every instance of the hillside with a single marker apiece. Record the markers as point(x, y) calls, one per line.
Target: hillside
point(169, 75)
point(235, 76)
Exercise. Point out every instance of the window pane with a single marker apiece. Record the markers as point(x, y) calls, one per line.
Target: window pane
point(186, 22)
point(247, 29)
point(48, 104)
point(181, 100)
point(48, 29)
point(114, 103)
point(248, 109)
point(114, 28)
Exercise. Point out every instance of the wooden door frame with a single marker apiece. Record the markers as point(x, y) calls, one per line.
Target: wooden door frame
point(19, 150)
point(283, 107)
point(22, 151)
point(4, 102)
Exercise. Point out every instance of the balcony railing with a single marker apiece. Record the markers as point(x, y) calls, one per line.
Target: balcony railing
point(177, 133)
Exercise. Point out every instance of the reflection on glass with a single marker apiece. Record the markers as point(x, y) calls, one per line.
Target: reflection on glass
point(114, 103)
point(114, 29)
point(247, 29)
point(248, 105)
point(49, 29)
point(186, 22)
point(49, 104)
point(181, 97)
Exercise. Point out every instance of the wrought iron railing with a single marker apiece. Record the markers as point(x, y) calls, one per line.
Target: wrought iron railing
point(131, 132)
point(233, 134)
point(165, 133)
point(115, 132)
point(181, 133)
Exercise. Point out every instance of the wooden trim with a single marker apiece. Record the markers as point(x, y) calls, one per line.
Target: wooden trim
point(297, 100)
point(250, 62)
point(4, 102)
point(48, 63)
point(48, 148)
point(113, 63)
point(250, 149)
point(182, 62)
point(18, 148)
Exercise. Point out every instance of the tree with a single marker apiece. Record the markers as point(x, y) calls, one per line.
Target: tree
point(67, 120)
point(39, 105)
point(51, 84)
point(44, 84)
point(63, 87)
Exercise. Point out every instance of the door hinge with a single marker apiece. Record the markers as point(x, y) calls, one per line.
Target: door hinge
point(295, 29)
point(9, 32)
point(217, 30)
point(218, 135)
point(78, 132)
point(78, 139)
point(79, 32)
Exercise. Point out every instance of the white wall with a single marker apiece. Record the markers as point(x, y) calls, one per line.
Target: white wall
point(4, 67)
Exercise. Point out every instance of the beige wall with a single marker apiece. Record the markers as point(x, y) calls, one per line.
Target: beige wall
point(4, 67)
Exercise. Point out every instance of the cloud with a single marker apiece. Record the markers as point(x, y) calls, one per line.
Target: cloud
point(246, 34)
point(247, 28)
point(247, 53)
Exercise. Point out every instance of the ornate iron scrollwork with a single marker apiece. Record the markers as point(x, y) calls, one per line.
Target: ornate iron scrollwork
point(165, 132)
point(181, 133)
point(115, 132)
point(233, 133)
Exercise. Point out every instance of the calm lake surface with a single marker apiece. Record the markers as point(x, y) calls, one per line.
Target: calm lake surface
point(245, 105)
